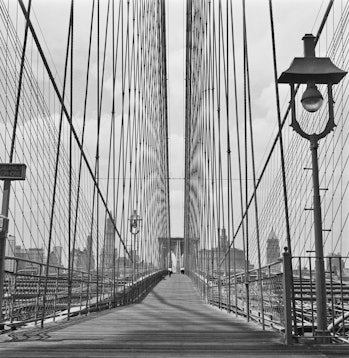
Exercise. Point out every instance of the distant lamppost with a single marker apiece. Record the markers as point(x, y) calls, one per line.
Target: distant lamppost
point(311, 70)
point(164, 256)
point(135, 220)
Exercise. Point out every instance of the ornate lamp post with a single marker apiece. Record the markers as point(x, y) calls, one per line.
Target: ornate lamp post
point(135, 220)
point(311, 70)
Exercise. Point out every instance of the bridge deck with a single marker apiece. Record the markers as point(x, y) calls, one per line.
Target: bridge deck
point(171, 321)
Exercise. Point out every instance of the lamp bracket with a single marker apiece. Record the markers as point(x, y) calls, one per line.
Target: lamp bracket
point(135, 232)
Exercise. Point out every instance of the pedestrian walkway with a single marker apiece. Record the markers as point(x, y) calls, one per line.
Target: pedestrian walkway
point(172, 321)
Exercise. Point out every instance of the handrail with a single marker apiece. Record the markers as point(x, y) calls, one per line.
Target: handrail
point(23, 300)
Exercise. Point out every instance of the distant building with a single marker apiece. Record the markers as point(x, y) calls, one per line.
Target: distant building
point(36, 254)
point(21, 252)
point(32, 254)
point(56, 256)
point(10, 251)
point(223, 241)
point(32, 258)
point(89, 248)
point(273, 251)
point(273, 248)
point(55, 259)
point(210, 260)
point(123, 266)
point(108, 254)
point(81, 260)
point(335, 264)
point(233, 258)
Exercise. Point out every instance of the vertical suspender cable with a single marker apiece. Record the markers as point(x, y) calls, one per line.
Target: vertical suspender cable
point(165, 116)
point(254, 176)
point(238, 147)
point(276, 140)
point(187, 127)
point(20, 80)
point(97, 153)
point(90, 241)
point(246, 169)
point(7, 183)
point(110, 139)
point(70, 248)
point(56, 176)
point(113, 149)
point(282, 156)
point(66, 113)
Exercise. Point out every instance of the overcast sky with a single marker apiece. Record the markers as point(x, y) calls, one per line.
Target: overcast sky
point(292, 19)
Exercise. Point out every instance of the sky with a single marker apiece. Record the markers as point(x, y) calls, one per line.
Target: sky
point(292, 19)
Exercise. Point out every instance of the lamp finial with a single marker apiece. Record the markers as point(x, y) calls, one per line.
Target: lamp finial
point(309, 45)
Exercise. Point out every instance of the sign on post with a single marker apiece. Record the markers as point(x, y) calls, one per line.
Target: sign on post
point(12, 171)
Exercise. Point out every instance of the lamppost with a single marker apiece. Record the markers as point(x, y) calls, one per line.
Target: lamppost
point(312, 70)
point(134, 230)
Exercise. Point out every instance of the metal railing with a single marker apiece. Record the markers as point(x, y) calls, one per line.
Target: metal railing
point(304, 298)
point(282, 296)
point(66, 295)
point(241, 294)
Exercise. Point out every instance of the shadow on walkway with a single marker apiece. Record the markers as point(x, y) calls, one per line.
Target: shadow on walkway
point(172, 321)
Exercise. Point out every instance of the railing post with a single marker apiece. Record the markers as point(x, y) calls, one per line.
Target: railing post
point(287, 282)
point(14, 292)
point(38, 299)
point(81, 290)
point(88, 288)
point(55, 295)
point(247, 297)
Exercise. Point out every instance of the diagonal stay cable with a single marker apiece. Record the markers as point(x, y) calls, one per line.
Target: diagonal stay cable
point(43, 57)
point(276, 140)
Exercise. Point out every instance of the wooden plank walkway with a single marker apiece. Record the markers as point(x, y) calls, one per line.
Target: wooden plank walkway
point(172, 321)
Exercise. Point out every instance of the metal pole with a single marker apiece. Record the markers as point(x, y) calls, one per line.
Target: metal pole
point(321, 331)
point(287, 285)
point(3, 236)
point(133, 267)
point(132, 257)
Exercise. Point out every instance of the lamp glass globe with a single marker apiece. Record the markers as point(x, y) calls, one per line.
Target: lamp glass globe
point(312, 98)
